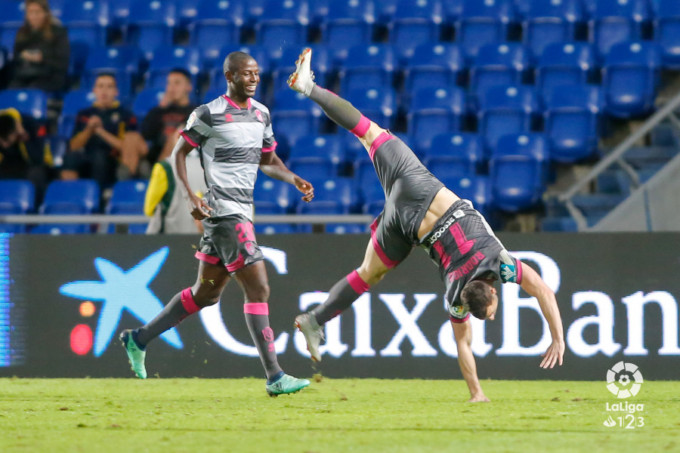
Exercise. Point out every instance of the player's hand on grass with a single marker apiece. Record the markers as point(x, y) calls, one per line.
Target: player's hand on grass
point(479, 398)
point(305, 187)
point(553, 355)
point(199, 208)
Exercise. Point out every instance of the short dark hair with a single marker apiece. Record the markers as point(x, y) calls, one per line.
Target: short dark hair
point(181, 71)
point(234, 61)
point(476, 295)
point(7, 125)
point(106, 74)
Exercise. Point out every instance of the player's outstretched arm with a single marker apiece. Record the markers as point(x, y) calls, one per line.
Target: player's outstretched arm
point(272, 166)
point(534, 285)
point(199, 208)
point(463, 333)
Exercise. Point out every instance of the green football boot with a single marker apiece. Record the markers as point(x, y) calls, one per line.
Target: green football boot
point(286, 384)
point(135, 354)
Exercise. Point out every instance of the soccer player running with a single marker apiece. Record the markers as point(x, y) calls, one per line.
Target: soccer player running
point(420, 211)
point(233, 134)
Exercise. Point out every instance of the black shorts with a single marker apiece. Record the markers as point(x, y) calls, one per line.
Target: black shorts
point(229, 241)
point(409, 191)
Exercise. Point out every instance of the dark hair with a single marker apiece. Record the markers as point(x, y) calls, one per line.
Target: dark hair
point(7, 125)
point(476, 295)
point(46, 29)
point(181, 71)
point(106, 74)
point(234, 61)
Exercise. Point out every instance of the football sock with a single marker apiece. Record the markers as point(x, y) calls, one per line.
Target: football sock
point(340, 297)
point(340, 111)
point(179, 307)
point(257, 319)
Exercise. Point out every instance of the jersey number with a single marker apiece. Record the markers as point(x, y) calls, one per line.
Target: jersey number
point(463, 243)
point(245, 232)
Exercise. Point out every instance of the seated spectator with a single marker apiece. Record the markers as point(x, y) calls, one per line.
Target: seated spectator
point(159, 126)
point(41, 50)
point(98, 135)
point(24, 150)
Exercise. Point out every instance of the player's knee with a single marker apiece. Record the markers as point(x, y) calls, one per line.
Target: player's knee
point(206, 297)
point(371, 276)
point(257, 293)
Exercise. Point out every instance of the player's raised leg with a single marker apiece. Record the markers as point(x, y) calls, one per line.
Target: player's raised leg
point(212, 278)
point(253, 282)
point(341, 296)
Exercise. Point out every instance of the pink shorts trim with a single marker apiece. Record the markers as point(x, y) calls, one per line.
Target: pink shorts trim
point(188, 301)
point(191, 142)
point(357, 283)
point(361, 128)
point(207, 258)
point(256, 308)
point(269, 149)
point(382, 138)
point(459, 321)
point(237, 264)
point(381, 253)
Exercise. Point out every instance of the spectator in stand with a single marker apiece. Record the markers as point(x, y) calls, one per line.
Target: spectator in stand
point(41, 50)
point(24, 150)
point(98, 135)
point(159, 127)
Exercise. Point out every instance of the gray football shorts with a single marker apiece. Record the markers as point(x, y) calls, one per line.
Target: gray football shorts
point(229, 241)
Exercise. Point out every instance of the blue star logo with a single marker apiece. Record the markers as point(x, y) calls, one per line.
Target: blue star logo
point(123, 290)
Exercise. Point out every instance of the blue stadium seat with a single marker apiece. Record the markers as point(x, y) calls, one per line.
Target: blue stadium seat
point(329, 145)
point(378, 104)
point(667, 32)
point(614, 21)
point(532, 145)
point(571, 123)
point(348, 22)
point(274, 228)
point(630, 78)
point(186, 11)
point(283, 24)
point(434, 111)
point(463, 147)
point(331, 196)
point(86, 21)
point(313, 166)
point(273, 196)
point(128, 197)
point(505, 110)
point(548, 22)
point(515, 183)
point(564, 64)
point(475, 188)
point(433, 65)
point(12, 20)
point(558, 224)
point(168, 58)
point(74, 101)
point(119, 12)
point(123, 62)
point(483, 22)
point(415, 23)
point(80, 50)
point(150, 25)
point(17, 196)
point(59, 229)
point(369, 66)
point(147, 99)
point(29, 101)
point(294, 116)
point(216, 23)
point(285, 66)
point(71, 197)
point(452, 10)
point(498, 64)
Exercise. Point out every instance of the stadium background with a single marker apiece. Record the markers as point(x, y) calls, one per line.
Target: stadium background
point(503, 100)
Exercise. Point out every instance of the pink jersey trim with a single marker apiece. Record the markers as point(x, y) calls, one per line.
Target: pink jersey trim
point(459, 321)
point(207, 258)
point(269, 149)
point(519, 271)
point(357, 283)
point(256, 308)
point(237, 264)
point(382, 138)
point(191, 142)
point(444, 257)
point(381, 253)
point(232, 103)
point(361, 128)
point(188, 301)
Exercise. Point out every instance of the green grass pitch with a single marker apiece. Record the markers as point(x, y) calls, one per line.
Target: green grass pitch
point(333, 415)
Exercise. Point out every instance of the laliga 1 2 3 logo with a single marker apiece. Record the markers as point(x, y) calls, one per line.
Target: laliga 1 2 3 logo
point(624, 380)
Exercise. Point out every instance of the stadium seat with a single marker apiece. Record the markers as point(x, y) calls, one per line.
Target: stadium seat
point(147, 99)
point(614, 21)
point(12, 20)
point(59, 229)
point(285, 66)
point(630, 78)
point(505, 110)
point(317, 166)
point(29, 101)
point(321, 145)
point(167, 58)
point(348, 22)
point(369, 66)
point(667, 32)
point(435, 65)
point(17, 196)
point(483, 22)
point(283, 24)
point(150, 25)
point(514, 183)
point(558, 224)
point(215, 24)
point(462, 147)
point(128, 199)
point(86, 21)
point(186, 11)
point(119, 12)
point(471, 187)
point(564, 64)
point(74, 101)
point(434, 111)
point(122, 62)
point(548, 22)
point(498, 64)
point(532, 145)
point(415, 23)
point(274, 228)
point(294, 116)
point(378, 104)
point(571, 123)
point(71, 197)
point(331, 196)
point(273, 196)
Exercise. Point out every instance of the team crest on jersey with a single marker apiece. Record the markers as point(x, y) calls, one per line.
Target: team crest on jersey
point(508, 268)
point(191, 120)
point(458, 311)
point(258, 114)
point(228, 118)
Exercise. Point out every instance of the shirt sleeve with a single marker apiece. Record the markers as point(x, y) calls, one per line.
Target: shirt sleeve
point(458, 313)
point(511, 268)
point(268, 140)
point(198, 127)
